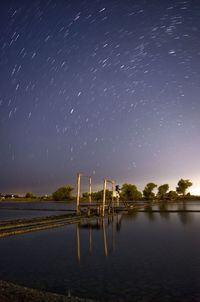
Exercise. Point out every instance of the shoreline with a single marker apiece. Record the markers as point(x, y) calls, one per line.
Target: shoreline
point(11, 292)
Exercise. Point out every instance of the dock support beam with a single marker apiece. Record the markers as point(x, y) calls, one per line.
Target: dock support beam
point(113, 189)
point(90, 189)
point(90, 194)
point(79, 175)
point(104, 197)
point(78, 194)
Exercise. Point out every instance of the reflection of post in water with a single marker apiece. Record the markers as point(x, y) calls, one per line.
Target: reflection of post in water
point(109, 219)
point(78, 246)
point(100, 225)
point(113, 234)
point(105, 238)
point(90, 240)
point(119, 222)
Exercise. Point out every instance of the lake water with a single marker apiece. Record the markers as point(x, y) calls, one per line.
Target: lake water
point(138, 257)
point(18, 210)
point(20, 214)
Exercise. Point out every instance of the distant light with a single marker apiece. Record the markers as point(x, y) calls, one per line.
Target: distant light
point(195, 190)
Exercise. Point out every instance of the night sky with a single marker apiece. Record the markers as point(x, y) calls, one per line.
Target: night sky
point(107, 87)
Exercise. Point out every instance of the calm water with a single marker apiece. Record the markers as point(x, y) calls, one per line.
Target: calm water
point(190, 205)
point(13, 214)
point(38, 205)
point(18, 210)
point(139, 257)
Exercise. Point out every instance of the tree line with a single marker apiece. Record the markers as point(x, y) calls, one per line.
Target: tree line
point(130, 192)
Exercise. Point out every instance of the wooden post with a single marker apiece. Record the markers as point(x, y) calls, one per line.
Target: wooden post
point(90, 189)
point(113, 189)
point(104, 197)
point(118, 200)
point(105, 239)
point(78, 193)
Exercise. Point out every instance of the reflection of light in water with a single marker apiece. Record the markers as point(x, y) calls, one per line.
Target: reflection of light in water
point(105, 239)
point(78, 242)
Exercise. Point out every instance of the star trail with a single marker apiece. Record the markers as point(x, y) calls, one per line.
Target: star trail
point(110, 88)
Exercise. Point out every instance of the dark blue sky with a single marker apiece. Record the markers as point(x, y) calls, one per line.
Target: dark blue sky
point(110, 88)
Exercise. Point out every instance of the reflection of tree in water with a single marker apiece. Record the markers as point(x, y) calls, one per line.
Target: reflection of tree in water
point(148, 207)
point(163, 207)
point(185, 217)
point(132, 215)
point(182, 206)
point(149, 213)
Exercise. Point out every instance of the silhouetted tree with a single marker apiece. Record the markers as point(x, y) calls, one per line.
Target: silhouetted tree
point(63, 193)
point(172, 195)
point(85, 196)
point(162, 191)
point(98, 196)
point(29, 195)
point(183, 185)
point(130, 192)
point(148, 191)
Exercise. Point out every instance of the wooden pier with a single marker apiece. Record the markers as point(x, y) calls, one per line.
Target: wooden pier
point(99, 208)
